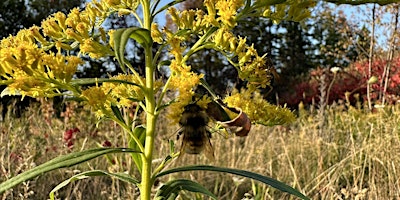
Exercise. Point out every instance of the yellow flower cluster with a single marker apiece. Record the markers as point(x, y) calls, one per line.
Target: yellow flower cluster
point(226, 10)
point(30, 67)
point(250, 65)
point(95, 97)
point(220, 13)
point(295, 10)
point(31, 70)
point(123, 90)
point(258, 109)
point(184, 81)
point(82, 28)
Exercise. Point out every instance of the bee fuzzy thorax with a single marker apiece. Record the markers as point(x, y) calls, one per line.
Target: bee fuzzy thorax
point(196, 137)
point(193, 115)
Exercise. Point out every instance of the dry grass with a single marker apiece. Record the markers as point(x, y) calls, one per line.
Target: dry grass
point(354, 156)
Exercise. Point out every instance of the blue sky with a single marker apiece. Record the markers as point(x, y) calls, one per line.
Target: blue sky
point(359, 15)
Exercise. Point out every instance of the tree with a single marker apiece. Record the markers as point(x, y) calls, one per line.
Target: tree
point(18, 14)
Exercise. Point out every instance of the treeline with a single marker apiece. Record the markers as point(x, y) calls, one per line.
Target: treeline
point(302, 54)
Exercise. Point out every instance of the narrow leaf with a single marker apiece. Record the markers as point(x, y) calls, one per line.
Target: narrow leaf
point(121, 36)
point(61, 162)
point(267, 180)
point(117, 113)
point(140, 133)
point(171, 189)
point(121, 176)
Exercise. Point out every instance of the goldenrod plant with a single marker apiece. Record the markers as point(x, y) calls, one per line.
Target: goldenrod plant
point(41, 62)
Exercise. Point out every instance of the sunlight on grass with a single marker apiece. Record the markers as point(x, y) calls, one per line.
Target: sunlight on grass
point(355, 157)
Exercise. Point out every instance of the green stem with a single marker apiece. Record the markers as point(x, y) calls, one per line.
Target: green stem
point(151, 117)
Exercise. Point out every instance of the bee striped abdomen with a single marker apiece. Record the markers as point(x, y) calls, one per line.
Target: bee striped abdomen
point(196, 137)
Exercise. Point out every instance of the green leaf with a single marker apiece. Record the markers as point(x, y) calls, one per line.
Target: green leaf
point(140, 133)
point(269, 181)
point(121, 36)
point(87, 174)
point(117, 113)
point(171, 189)
point(61, 162)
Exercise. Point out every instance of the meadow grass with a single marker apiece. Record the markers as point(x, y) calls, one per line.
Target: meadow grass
point(354, 154)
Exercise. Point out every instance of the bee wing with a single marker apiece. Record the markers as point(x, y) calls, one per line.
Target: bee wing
point(208, 149)
point(183, 146)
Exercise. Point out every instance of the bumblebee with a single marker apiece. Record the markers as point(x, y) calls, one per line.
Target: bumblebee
point(196, 136)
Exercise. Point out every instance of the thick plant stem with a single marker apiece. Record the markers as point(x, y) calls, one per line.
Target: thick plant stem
point(151, 117)
point(147, 156)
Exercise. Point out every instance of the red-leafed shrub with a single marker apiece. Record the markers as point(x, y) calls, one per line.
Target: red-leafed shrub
point(351, 80)
point(378, 67)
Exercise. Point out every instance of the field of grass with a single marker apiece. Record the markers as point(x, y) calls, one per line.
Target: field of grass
point(342, 154)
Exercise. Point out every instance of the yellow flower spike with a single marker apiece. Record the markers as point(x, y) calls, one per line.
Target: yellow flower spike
point(28, 86)
point(103, 34)
point(95, 97)
point(59, 45)
point(112, 3)
point(174, 15)
point(72, 65)
point(24, 36)
point(74, 18)
point(72, 35)
point(189, 19)
point(94, 48)
point(60, 17)
point(226, 40)
point(7, 61)
point(204, 101)
point(98, 5)
point(123, 93)
point(93, 11)
point(52, 29)
point(156, 34)
point(34, 30)
point(240, 46)
point(218, 38)
point(198, 23)
point(61, 67)
point(244, 58)
point(111, 35)
point(83, 29)
point(176, 48)
point(232, 44)
point(210, 5)
point(227, 10)
point(184, 83)
point(258, 109)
